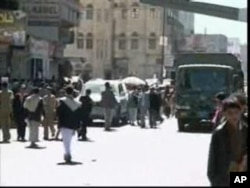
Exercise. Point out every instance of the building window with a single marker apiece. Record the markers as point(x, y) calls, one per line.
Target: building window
point(152, 13)
point(99, 15)
point(152, 42)
point(134, 41)
point(135, 13)
point(89, 41)
point(124, 13)
point(107, 15)
point(122, 43)
point(89, 12)
point(135, 10)
point(80, 41)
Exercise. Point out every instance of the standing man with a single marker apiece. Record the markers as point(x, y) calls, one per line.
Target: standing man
point(228, 147)
point(109, 103)
point(86, 109)
point(133, 102)
point(6, 97)
point(34, 106)
point(160, 102)
point(19, 113)
point(144, 105)
point(154, 106)
point(50, 105)
point(68, 120)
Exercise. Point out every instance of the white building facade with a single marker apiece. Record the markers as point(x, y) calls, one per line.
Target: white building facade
point(121, 37)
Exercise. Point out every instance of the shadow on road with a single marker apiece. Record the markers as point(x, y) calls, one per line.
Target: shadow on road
point(2, 142)
point(88, 140)
point(37, 147)
point(72, 163)
point(111, 130)
point(101, 125)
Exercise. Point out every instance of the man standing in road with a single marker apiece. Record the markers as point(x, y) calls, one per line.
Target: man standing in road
point(50, 105)
point(228, 147)
point(85, 111)
point(144, 105)
point(68, 120)
point(34, 106)
point(109, 103)
point(6, 97)
point(154, 106)
point(133, 102)
point(19, 113)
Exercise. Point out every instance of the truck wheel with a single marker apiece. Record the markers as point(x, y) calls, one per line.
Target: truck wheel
point(181, 125)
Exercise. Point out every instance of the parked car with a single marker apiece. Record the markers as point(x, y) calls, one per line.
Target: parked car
point(97, 86)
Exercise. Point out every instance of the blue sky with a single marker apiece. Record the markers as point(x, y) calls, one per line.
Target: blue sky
point(216, 25)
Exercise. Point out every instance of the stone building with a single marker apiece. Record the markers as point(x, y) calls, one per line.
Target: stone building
point(121, 37)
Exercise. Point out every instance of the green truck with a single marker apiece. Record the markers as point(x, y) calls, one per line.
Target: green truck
point(197, 78)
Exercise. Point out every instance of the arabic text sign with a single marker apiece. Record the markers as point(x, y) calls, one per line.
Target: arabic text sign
point(41, 13)
point(6, 18)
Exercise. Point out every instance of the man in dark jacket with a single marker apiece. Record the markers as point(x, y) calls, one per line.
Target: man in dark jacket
point(85, 112)
point(68, 120)
point(228, 145)
point(154, 106)
point(19, 113)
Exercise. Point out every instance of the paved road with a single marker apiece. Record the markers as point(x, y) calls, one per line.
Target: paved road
point(128, 156)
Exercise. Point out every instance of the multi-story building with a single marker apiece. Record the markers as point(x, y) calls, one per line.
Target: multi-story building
point(44, 35)
point(121, 37)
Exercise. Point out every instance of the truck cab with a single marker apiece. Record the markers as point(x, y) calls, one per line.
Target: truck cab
point(196, 86)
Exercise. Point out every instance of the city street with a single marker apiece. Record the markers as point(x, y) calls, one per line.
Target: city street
point(128, 156)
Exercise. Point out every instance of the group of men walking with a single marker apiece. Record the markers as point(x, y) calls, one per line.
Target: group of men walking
point(32, 110)
point(146, 101)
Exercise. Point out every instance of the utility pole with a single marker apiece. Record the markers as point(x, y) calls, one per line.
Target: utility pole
point(163, 44)
point(113, 25)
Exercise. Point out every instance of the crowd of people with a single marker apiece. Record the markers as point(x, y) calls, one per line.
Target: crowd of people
point(154, 102)
point(46, 104)
point(35, 107)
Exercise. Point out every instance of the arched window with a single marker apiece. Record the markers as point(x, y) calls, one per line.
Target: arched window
point(122, 42)
point(152, 12)
point(135, 10)
point(89, 41)
point(89, 12)
point(152, 41)
point(134, 41)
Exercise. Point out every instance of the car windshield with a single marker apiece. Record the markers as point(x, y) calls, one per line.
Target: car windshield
point(97, 88)
point(204, 79)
